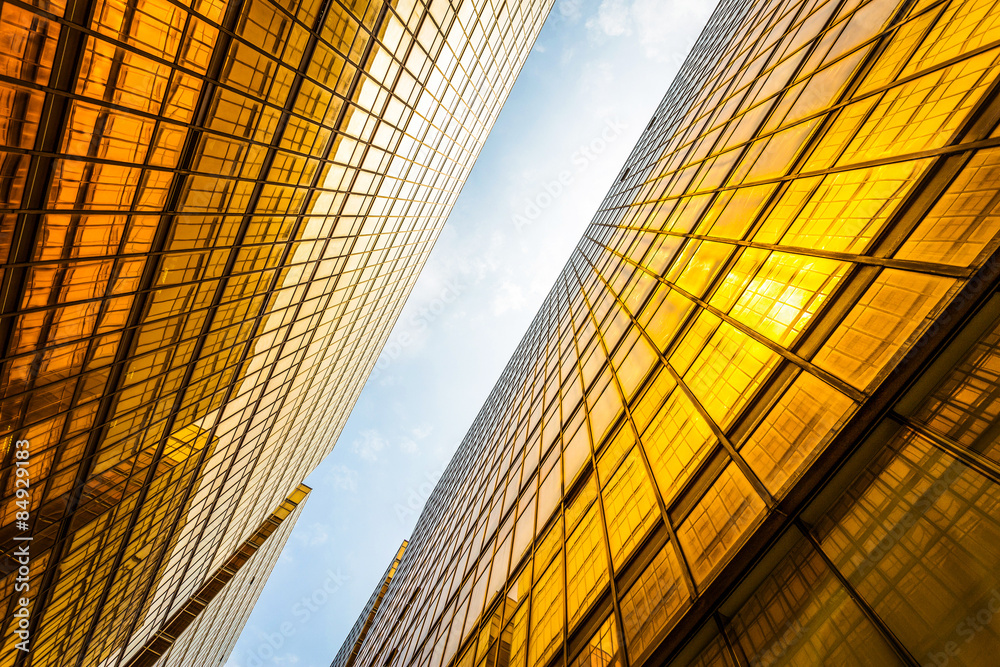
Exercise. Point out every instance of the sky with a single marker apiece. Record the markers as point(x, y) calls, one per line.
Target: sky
point(588, 88)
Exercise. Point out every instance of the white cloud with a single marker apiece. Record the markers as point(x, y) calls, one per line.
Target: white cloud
point(408, 446)
point(312, 535)
point(368, 445)
point(613, 20)
point(344, 478)
point(508, 298)
point(569, 9)
point(661, 27)
point(421, 432)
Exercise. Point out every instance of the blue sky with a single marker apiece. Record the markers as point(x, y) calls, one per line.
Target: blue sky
point(592, 81)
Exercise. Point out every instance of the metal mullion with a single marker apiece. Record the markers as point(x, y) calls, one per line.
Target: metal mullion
point(206, 329)
point(773, 198)
point(286, 253)
point(733, 647)
point(831, 379)
point(702, 95)
point(102, 309)
point(204, 78)
point(836, 107)
point(86, 186)
point(646, 165)
point(793, 175)
point(671, 531)
point(52, 124)
point(967, 456)
point(599, 499)
point(222, 575)
point(977, 124)
point(932, 268)
point(734, 454)
point(881, 627)
point(873, 92)
point(69, 50)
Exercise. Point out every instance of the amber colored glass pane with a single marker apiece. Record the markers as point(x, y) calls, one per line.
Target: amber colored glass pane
point(880, 324)
point(965, 219)
point(728, 372)
point(794, 431)
point(546, 615)
point(918, 535)
point(848, 208)
point(653, 600)
point(719, 521)
point(677, 440)
point(802, 615)
point(586, 566)
point(785, 294)
point(629, 507)
point(602, 649)
point(966, 405)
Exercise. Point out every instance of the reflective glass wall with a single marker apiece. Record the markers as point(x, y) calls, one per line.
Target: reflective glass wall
point(808, 219)
point(211, 213)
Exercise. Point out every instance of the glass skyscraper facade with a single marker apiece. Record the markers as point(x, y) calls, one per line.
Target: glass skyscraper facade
point(348, 653)
point(755, 420)
point(211, 213)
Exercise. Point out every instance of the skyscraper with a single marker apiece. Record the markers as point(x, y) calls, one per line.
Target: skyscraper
point(755, 420)
point(348, 653)
point(211, 214)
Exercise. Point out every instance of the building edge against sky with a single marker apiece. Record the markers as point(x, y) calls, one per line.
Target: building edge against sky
point(755, 420)
point(348, 653)
point(211, 215)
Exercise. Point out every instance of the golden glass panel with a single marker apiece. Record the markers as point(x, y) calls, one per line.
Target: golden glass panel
point(880, 324)
point(728, 372)
point(964, 221)
point(719, 521)
point(918, 536)
point(629, 507)
point(546, 615)
point(794, 431)
point(965, 406)
point(802, 614)
point(677, 440)
point(785, 294)
point(586, 566)
point(651, 603)
point(602, 649)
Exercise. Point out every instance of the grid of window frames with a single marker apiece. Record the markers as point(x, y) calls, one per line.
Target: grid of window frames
point(348, 653)
point(211, 213)
point(815, 194)
point(212, 634)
